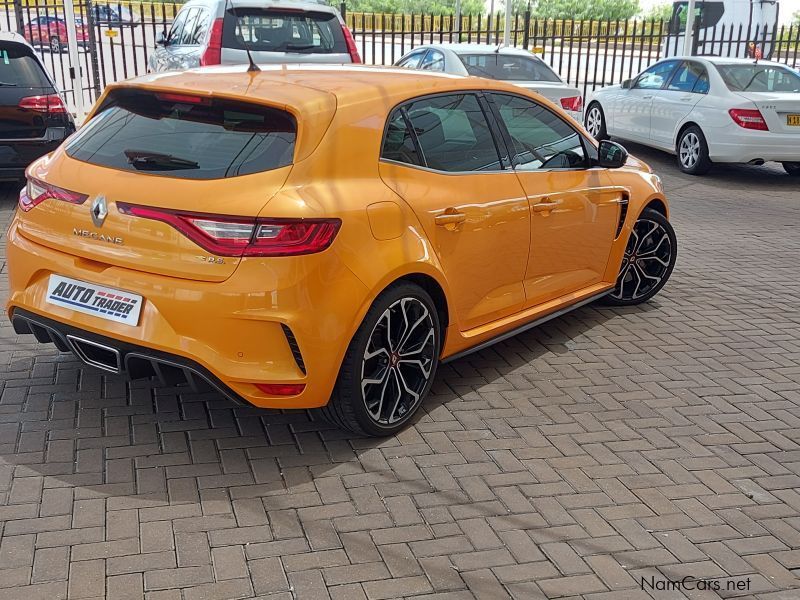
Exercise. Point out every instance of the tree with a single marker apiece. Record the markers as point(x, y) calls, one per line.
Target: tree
point(435, 7)
point(659, 12)
point(586, 9)
point(796, 18)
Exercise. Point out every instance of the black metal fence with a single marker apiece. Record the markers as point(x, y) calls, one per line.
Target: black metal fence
point(117, 38)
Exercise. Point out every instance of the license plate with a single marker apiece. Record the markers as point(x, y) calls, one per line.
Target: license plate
point(793, 120)
point(92, 299)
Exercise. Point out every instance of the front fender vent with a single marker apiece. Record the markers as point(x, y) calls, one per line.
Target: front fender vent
point(623, 212)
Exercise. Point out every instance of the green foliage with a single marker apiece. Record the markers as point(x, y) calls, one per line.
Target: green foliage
point(435, 7)
point(796, 17)
point(586, 9)
point(659, 12)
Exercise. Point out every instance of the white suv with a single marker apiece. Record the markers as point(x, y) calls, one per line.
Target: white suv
point(213, 32)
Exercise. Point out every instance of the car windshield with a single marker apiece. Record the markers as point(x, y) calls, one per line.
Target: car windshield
point(185, 136)
point(507, 67)
point(19, 68)
point(271, 30)
point(759, 78)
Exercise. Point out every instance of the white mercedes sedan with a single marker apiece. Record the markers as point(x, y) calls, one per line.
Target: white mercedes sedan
point(706, 110)
point(515, 65)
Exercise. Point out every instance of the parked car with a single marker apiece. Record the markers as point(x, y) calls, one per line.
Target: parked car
point(318, 235)
point(33, 116)
point(51, 32)
point(514, 65)
point(114, 14)
point(706, 110)
point(213, 32)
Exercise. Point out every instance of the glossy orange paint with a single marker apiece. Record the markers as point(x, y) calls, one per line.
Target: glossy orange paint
point(513, 260)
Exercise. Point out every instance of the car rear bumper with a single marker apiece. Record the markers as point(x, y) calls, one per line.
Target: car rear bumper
point(754, 145)
point(286, 320)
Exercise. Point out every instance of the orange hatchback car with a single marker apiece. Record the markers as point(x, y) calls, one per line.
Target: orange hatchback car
point(321, 236)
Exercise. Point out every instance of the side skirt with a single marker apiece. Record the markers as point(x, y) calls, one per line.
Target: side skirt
point(526, 326)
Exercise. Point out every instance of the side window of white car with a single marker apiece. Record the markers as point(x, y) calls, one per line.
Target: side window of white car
point(412, 60)
point(655, 77)
point(433, 61)
point(688, 78)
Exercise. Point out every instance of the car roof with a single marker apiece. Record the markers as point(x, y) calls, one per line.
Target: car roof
point(10, 36)
point(724, 60)
point(474, 48)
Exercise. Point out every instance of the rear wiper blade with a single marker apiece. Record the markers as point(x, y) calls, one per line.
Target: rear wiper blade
point(7, 84)
point(157, 161)
point(295, 47)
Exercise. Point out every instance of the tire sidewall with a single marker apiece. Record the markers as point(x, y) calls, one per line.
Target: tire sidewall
point(651, 215)
point(349, 383)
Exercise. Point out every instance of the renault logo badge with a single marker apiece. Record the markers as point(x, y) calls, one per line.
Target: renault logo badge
point(99, 211)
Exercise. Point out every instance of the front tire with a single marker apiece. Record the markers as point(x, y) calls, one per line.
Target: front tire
point(595, 122)
point(648, 261)
point(692, 151)
point(389, 365)
point(792, 168)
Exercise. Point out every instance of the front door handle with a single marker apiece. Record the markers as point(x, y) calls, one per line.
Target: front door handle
point(647, 97)
point(545, 206)
point(450, 218)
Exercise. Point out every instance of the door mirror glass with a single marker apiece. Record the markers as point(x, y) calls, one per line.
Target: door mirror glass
point(626, 85)
point(611, 155)
point(162, 39)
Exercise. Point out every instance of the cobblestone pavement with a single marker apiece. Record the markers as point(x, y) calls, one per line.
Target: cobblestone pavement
point(608, 447)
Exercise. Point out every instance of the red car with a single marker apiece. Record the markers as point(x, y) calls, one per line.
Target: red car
point(52, 31)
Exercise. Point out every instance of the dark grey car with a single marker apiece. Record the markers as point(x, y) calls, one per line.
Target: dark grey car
point(213, 32)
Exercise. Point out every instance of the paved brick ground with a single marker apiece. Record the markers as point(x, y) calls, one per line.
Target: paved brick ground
point(569, 462)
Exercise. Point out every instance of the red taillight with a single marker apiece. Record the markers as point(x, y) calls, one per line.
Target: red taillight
point(182, 98)
point(352, 49)
point(748, 118)
point(51, 103)
point(212, 55)
point(36, 192)
point(575, 103)
point(281, 389)
point(241, 236)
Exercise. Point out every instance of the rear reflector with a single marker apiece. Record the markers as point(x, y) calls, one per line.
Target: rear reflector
point(748, 118)
point(212, 55)
point(575, 103)
point(51, 103)
point(281, 389)
point(352, 49)
point(241, 236)
point(36, 192)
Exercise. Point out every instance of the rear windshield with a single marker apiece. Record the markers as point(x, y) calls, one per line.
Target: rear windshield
point(18, 67)
point(185, 136)
point(267, 30)
point(759, 78)
point(507, 68)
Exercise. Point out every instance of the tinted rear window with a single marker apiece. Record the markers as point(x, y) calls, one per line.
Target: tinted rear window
point(759, 78)
point(283, 31)
point(185, 137)
point(507, 68)
point(18, 67)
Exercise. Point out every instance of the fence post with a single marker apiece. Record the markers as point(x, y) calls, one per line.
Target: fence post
point(526, 28)
point(18, 16)
point(695, 36)
point(343, 10)
point(90, 23)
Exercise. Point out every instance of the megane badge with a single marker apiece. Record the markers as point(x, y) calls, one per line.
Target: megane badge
point(99, 211)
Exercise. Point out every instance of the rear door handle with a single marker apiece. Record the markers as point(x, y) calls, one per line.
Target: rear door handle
point(545, 206)
point(450, 218)
point(647, 97)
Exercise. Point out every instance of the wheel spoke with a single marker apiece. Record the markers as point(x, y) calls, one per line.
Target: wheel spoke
point(641, 242)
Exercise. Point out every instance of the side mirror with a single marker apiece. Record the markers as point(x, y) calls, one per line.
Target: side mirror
point(162, 39)
point(626, 85)
point(611, 155)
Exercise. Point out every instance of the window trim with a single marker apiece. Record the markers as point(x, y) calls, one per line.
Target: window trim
point(509, 142)
point(479, 93)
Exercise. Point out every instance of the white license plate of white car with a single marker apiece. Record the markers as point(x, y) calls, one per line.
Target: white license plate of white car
point(92, 299)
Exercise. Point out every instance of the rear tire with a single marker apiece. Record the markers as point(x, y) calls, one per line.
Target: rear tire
point(692, 151)
point(792, 168)
point(595, 121)
point(648, 261)
point(389, 365)
point(55, 44)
